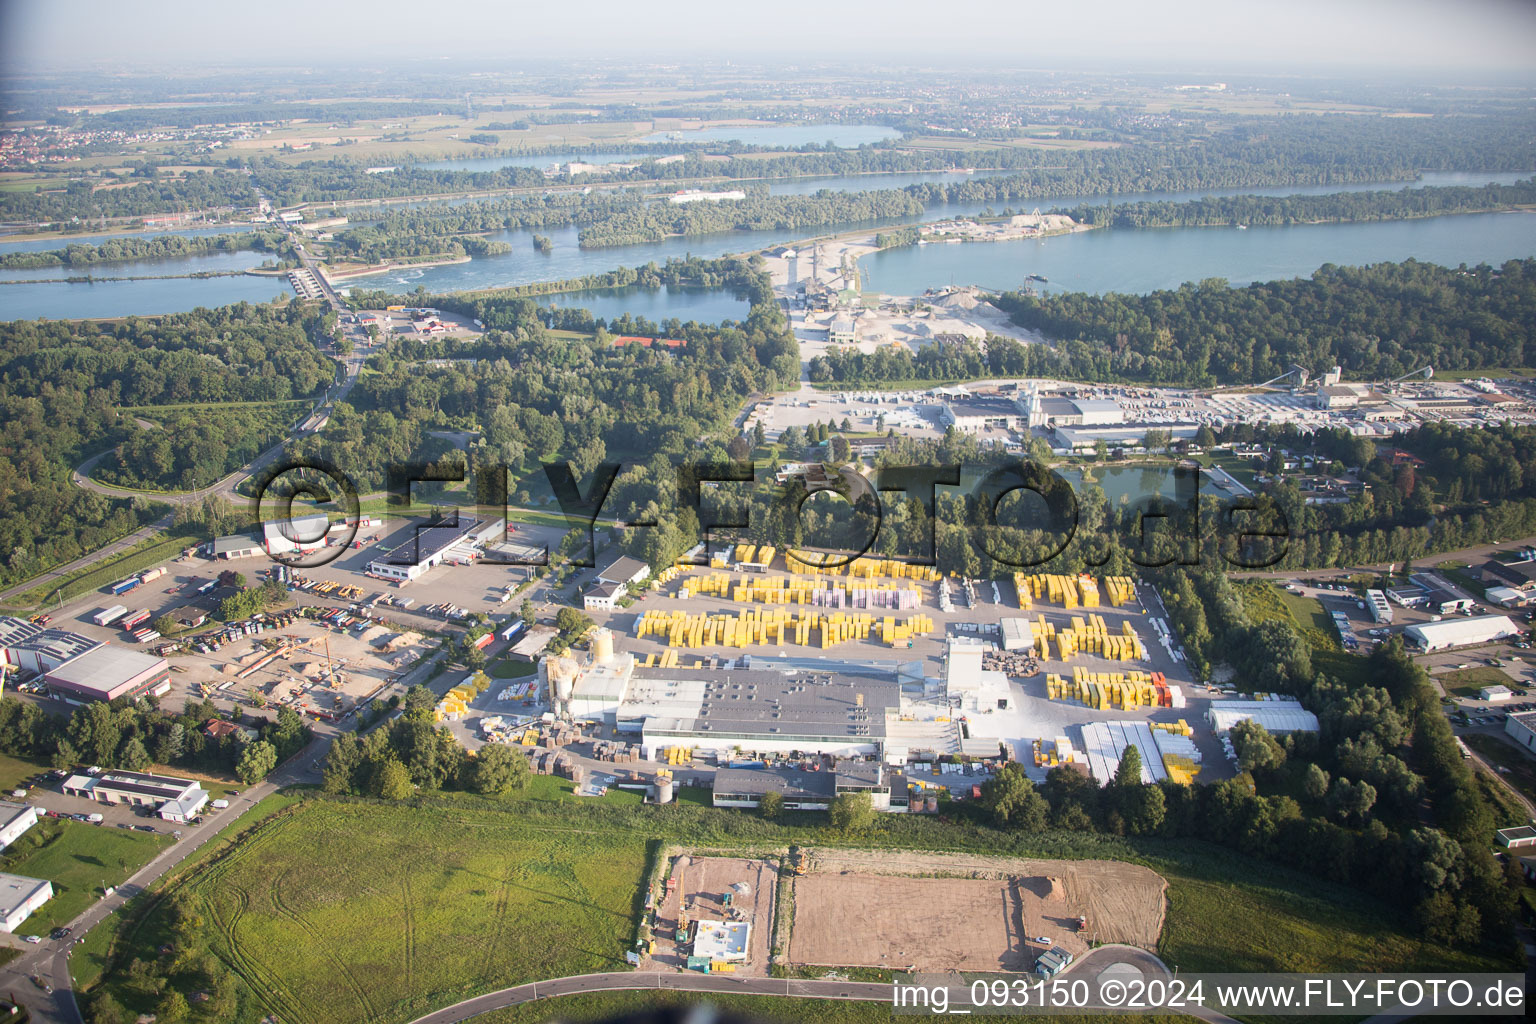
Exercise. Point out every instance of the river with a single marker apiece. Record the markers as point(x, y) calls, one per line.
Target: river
point(1093, 261)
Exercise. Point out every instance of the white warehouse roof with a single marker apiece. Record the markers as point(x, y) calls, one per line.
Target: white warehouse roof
point(1459, 632)
point(1273, 715)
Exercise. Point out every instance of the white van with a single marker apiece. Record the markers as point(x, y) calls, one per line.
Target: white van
point(94, 819)
point(219, 805)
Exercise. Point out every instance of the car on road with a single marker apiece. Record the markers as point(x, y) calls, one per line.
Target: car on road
point(144, 828)
point(60, 933)
point(34, 939)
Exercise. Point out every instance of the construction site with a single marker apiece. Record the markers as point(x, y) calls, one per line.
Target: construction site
point(713, 914)
point(311, 664)
point(940, 912)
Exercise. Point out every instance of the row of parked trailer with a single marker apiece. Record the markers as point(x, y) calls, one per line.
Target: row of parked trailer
point(148, 576)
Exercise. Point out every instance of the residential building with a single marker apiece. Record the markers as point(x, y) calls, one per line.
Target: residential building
point(603, 597)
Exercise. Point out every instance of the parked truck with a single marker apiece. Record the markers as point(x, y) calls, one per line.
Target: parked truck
point(134, 620)
point(107, 616)
point(150, 575)
point(125, 586)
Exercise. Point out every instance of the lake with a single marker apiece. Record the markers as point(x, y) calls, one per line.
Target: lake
point(1093, 261)
point(1158, 258)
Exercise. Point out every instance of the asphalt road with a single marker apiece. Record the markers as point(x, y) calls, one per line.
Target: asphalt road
point(794, 988)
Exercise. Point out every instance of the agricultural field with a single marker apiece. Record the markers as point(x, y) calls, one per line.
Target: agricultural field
point(345, 912)
point(79, 860)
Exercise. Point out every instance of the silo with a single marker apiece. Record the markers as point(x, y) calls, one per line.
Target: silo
point(602, 646)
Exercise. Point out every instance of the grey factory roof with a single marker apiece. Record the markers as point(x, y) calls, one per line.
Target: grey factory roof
point(622, 569)
point(984, 407)
point(105, 669)
point(805, 704)
point(14, 631)
point(57, 644)
point(236, 542)
point(792, 783)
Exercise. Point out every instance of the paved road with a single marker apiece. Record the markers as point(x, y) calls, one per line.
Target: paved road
point(793, 988)
point(50, 960)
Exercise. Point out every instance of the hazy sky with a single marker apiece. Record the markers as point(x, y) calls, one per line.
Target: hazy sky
point(1438, 35)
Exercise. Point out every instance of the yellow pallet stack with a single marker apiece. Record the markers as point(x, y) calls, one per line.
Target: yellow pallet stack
point(1022, 588)
point(1087, 591)
point(1120, 589)
point(744, 552)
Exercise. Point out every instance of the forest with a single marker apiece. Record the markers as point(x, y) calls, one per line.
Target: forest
point(534, 396)
point(64, 386)
point(1377, 322)
point(1227, 211)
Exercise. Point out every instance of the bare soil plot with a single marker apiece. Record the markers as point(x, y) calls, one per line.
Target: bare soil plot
point(866, 908)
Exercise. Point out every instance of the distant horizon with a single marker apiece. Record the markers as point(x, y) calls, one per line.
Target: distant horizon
point(1474, 41)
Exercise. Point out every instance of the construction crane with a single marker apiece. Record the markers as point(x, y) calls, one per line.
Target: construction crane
point(682, 901)
point(1300, 374)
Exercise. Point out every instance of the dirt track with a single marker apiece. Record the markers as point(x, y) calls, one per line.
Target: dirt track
point(871, 908)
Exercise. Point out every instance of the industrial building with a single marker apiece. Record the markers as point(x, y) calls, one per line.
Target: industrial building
point(173, 799)
point(1521, 727)
point(240, 545)
point(1435, 636)
point(1439, 596)
point(33, 648)
point(811, 791)
point(1086, 438)
point(1277, 715)
point(846, 713)
point(968, 686)
point(20, 897)
point(15, 819)
point(429, 544)
point(983, 412)
point(1494, 694)
point(1519, 576)
point(107, 672)
point(1376, 604)
point(623, 571)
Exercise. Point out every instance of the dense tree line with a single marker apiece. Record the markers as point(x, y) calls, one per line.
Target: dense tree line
point(413, 752)
point(134, 735)
point(134, 247)
point(759, 211)
point(1225, 211)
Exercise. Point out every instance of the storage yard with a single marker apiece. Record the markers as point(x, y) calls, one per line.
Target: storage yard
point(864, 908)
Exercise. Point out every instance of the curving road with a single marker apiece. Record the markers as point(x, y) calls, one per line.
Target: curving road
point(1144, 962)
